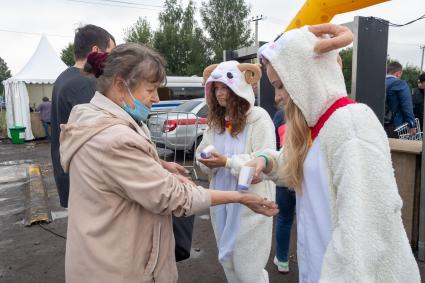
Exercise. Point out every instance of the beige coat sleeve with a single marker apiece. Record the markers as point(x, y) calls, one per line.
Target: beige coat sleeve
point(129, 166)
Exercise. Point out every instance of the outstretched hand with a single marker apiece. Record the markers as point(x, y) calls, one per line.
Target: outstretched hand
point(215, 161)
point(259, 205)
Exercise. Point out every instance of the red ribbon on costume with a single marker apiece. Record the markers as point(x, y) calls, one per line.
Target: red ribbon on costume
point(314, 131)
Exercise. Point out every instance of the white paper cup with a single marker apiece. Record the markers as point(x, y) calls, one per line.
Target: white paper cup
point(207, 152)
point(245, 178)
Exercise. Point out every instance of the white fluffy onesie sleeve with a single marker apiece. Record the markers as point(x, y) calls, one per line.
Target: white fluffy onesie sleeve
point(368, 241)
point(262, 138)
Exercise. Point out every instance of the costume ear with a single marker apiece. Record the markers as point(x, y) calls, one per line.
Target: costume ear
point(342, 36)
point(207, 72)
point(252, 72)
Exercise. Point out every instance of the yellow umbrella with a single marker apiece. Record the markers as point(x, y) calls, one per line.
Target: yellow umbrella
point(322, 11)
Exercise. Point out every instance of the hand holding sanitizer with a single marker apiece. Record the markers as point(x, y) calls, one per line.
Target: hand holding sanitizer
point(207, 152)
point(245, 178)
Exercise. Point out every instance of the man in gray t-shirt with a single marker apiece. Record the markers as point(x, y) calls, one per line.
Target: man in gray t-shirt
point(45, 108)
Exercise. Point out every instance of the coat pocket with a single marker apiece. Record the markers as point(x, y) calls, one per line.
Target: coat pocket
point(154, 254)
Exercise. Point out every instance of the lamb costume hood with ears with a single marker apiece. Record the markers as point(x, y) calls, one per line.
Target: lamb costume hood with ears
point(238, 77)
point(349, 213)
point(243, 237)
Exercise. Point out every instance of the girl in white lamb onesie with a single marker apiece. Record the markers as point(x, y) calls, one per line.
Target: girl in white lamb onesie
point(236, 128)
point(337, 157)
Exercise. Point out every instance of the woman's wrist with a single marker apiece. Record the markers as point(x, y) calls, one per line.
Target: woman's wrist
point(225, 161)
point(269, 167)
point(266, 159)
point(223, 197)
point(239, 197)
point(268, 162)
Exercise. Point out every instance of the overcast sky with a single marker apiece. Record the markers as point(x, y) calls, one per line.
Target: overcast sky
point(22, 22)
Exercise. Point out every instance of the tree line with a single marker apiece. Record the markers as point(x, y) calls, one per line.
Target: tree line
point(187, 46)
point(410, 73)
point(4, 74)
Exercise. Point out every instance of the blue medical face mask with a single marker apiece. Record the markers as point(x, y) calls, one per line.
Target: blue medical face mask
point(140, 111)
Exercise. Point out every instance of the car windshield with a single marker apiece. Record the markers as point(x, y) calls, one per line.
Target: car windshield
point(187, 106)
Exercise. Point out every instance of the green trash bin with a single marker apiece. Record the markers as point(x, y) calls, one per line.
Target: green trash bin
point(18, 134)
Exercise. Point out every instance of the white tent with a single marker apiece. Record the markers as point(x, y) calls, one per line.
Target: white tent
point(33, 82)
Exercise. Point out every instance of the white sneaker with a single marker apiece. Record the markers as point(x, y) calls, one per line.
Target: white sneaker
point(282, 266)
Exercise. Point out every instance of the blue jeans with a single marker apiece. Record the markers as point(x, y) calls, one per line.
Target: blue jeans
point(286, 201)
point(46, 128)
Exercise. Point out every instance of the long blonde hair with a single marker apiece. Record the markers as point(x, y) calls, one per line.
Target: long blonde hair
point(297, 140)
point(296, 144)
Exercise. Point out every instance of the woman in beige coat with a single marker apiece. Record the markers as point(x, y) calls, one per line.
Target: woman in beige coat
point(122, 195)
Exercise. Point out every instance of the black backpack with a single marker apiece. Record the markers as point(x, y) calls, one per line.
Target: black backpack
point(183, 228)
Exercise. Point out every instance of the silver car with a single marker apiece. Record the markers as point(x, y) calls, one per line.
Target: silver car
point(182, 128)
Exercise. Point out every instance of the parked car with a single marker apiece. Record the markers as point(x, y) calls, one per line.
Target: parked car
point(177, 91)
point(181, 128)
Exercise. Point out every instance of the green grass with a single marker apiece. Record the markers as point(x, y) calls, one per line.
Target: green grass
point(3, 127)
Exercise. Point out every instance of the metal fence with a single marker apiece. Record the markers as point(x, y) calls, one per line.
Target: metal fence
point(177, 135)
point(404, 134)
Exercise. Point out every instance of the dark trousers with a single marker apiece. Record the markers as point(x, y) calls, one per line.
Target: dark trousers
point(286, 201)
point(46, 126)
point(389, 129)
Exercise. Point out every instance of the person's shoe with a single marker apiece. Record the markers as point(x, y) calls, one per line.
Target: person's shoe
point(282, 266)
